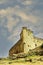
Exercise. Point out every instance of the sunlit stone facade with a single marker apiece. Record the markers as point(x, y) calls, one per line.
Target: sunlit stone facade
point(27, 42)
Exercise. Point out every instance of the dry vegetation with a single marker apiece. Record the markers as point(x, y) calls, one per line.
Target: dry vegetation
point(33, 60)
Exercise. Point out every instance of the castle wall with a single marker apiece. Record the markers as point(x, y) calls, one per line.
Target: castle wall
point(17, 48)
point(27, 42)
point(38, 41)
point(30, 42)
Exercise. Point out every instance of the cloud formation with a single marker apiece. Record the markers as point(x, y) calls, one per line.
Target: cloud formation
point(3, 1)
point(15, 15)
point(10, 11)
point(11, 21)
point(28, 2)
point(40, 35)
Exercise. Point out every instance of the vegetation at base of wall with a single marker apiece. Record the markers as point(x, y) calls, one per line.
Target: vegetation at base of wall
point(42, 46)
point(29, 54)
point(35, 52)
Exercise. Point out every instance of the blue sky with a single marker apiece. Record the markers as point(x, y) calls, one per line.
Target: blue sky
point(15, 14)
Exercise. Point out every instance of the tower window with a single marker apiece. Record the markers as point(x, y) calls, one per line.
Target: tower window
point(35, 44)
point(24, 43)
point(28, 45)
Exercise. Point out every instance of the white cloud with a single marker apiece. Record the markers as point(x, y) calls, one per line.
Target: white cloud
point(2, 12)
point(20, 13)
point(15, 33)
point(3, 1)
point(8, 12)
point(40, 35)
point(26, 17)
point(27, 2)
point(11, 23)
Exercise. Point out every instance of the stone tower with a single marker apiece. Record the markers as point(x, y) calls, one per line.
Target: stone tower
point(27, 37)
point(27, 42)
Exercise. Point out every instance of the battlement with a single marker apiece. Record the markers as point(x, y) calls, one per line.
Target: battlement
point(25, 32)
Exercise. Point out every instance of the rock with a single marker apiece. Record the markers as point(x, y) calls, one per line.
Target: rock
point(26, 59)
point(41, 59)
point(31, 60)
point(21, 55)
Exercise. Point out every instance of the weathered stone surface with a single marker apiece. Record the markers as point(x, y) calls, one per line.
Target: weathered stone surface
point(41, 59)
point(17, 48)
point(27, 42)
point(21, 55)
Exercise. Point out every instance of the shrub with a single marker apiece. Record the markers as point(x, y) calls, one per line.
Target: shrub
point(10, 62)
point(42, 46)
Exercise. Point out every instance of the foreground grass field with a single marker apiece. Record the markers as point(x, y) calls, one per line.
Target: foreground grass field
point(26, 63)
point(22, 61)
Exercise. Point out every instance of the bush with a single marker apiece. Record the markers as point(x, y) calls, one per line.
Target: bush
point(10, 62)
point(42, 46)
point(0, 58)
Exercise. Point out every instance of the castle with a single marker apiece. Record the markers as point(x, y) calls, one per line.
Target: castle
point(27, 42)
